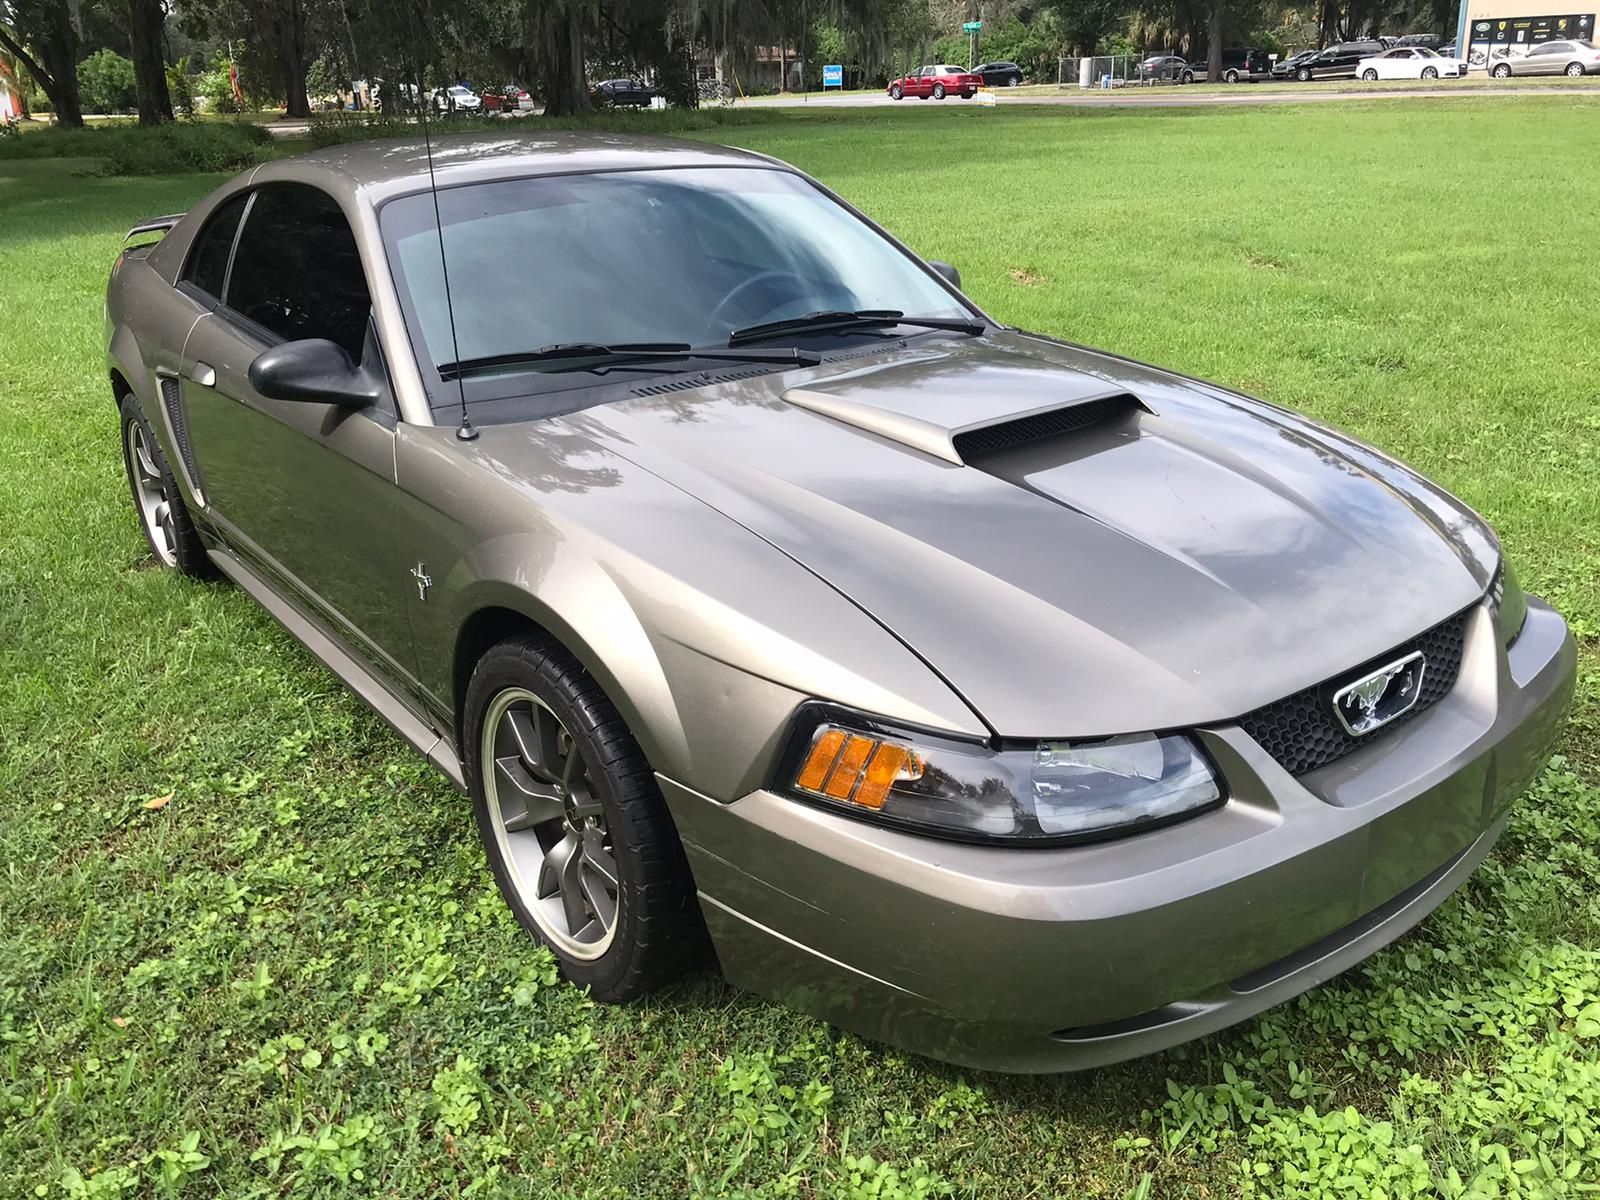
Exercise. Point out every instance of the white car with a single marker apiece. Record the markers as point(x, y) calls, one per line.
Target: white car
point(457, 98)
point(1411, 62)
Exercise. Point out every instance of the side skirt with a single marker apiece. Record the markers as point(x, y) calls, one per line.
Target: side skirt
point(372, 690)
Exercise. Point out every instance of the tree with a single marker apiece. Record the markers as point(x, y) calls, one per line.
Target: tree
point(42, 35)
point(105, 82)
point(147, 20)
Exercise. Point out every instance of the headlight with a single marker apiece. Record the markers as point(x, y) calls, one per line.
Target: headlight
point(1040, 793)
point(1508, 602)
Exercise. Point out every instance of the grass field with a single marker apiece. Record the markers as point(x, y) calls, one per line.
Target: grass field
point(249, 947)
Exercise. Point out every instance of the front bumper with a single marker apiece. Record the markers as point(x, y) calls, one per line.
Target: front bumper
point(1059, 959)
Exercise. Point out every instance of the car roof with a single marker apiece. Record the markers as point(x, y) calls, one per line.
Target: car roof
point(388, 167)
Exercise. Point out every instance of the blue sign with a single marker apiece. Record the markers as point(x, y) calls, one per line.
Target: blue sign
point(833, 75)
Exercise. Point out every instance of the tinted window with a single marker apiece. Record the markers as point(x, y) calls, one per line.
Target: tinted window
point(208, 262)
point(297, 272)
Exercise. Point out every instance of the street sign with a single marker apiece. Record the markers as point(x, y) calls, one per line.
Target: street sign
point(833, 75)
point(970, 27)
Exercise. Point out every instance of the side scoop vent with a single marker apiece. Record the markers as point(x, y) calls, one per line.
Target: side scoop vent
point(973, 444)
point(172, 400)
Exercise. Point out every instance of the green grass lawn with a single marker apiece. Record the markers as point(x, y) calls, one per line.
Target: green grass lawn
point(248, 943)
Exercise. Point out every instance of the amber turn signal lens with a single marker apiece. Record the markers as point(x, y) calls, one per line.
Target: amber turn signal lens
point(856, 768)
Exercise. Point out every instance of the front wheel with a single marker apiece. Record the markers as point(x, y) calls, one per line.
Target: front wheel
point(1574, 70)
point(938, 91)
point(1429, 73)
point(1186, 77)
point(1014, 81)
point(1303, 75)
point(895, 93)
point(1501, 71)
point(573, 823)
point(1369, 75)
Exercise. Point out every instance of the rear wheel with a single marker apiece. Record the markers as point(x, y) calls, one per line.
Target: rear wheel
point(938, 91)
point(1574, 70)
point(573, 823)
point(1230, 77)
point(1369, 75)
point(163, 515)
point(1429, 73)
point(1501, 70)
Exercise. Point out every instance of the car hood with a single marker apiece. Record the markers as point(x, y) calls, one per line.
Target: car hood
point(1079, 545)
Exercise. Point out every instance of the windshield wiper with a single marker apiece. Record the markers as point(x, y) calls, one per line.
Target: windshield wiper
point(597, 356)
point(861, 318)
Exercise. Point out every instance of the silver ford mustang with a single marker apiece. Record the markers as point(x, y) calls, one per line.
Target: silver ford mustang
point(998, 698)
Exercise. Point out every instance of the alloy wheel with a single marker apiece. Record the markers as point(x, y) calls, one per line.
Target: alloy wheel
point(550, 824)
point(150, 493)
point(1574, 70)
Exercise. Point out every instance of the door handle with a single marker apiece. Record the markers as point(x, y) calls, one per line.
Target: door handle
point(202, 374)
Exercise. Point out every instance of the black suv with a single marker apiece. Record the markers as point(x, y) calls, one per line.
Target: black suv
point(999, 74)
point(1338, 62)
point(1238, 63)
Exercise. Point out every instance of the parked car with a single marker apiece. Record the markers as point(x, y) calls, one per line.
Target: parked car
point(937, 82)
point(999, 74)
point(623, 93)
point(1012, 702)
point(1238, 65)
point(1574, 58)
point(1160, 68)
point(510, 98)
point(1285, 68)
point(457, 98)
point(1429, 41)
point(1410, 62)
point(1338, 62)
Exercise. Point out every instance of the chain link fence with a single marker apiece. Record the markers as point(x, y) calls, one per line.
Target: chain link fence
point(1102, 70)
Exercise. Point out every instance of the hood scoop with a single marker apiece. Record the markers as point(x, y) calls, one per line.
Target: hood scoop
point(961, 411)
point(974, 444)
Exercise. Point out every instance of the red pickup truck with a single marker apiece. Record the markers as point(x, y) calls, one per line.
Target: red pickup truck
point(937, 81)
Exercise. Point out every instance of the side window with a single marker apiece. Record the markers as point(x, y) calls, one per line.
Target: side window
point(297, 271)
point(207, 268)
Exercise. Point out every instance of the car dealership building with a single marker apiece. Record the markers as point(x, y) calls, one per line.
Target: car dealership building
point(1492, 29)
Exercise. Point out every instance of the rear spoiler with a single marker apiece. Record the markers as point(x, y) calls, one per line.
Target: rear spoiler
point(153, 225)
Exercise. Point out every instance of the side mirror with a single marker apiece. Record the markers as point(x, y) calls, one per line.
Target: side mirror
point(948, 273)
point(312, 371)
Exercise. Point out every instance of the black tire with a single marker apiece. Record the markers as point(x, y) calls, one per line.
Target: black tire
point(1186, 77)
point(895, 93)
point(1369, 75)
point(1303, 75)
point(658, 924)
point(1230, 77)
point(1429, 73)
point(1574, 70)
point(1014, 81)
point(186, 553)
point(938, 91)
point(1501, 71)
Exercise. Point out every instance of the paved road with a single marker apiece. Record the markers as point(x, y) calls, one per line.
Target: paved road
point(1176, 98)
point(1264, 93)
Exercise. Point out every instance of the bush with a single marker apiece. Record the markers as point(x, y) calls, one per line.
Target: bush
point(165, 150)
point(106, 84)
point(180, 87)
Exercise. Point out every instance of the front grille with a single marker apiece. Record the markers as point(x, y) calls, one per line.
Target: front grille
point(1301, 731)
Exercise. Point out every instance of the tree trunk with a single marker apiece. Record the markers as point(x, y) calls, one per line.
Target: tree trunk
point(569, 86)
point(146, 22)
point(56, 68)
point(1214, 43)
point(292, 56)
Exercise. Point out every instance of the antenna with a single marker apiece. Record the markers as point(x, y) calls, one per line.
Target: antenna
point(466, 431)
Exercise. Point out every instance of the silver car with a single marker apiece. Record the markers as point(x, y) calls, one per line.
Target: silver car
point(1574, 57)
point(992, 696)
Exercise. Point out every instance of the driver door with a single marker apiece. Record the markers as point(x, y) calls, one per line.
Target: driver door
point(303, 492)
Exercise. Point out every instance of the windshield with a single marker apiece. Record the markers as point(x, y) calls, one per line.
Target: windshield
point(683, 257)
